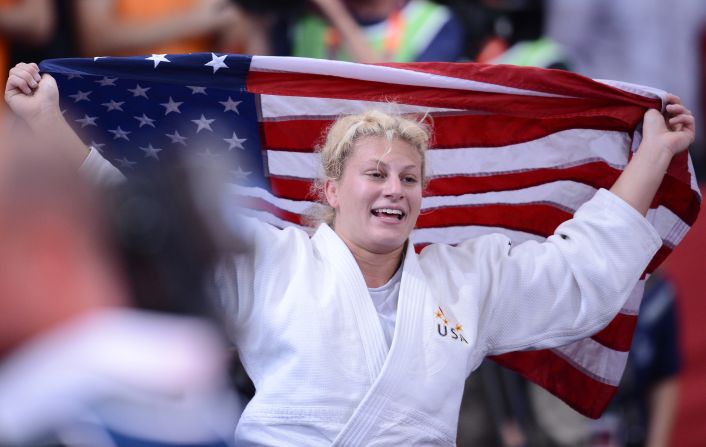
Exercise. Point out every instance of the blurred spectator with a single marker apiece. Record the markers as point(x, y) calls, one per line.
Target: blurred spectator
point(649, 42)
point(100, 339)
point(28, 21)
point(61, 41)
point(372, 31)
point(518, 36)
point(135, 27)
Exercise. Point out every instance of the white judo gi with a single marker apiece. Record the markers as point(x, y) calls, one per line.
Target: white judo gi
point(309, 336)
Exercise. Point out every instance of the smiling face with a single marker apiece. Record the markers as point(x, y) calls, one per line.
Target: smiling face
point(378, 197)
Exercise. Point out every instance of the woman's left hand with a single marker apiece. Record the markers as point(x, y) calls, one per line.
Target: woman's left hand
point(674, 131)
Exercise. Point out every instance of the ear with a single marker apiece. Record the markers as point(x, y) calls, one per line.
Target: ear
point(331, 191)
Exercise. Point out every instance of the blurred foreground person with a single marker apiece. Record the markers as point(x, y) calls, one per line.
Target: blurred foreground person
point(102, 335)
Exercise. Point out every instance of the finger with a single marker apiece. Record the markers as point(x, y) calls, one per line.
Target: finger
point(673, 99)
point(15, 82)
point(676, 109)
point(25, 73)
point(32, 69)
point(685, 120)
point(26, 78)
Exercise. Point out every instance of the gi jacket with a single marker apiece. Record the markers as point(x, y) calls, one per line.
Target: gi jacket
point(309, 336)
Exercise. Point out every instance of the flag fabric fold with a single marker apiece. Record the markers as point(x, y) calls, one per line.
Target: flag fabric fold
point(515, 150)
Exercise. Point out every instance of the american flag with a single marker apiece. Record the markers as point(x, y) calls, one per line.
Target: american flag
point(515, 150)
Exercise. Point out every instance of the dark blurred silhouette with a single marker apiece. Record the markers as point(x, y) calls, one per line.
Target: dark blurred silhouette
point(106, 329)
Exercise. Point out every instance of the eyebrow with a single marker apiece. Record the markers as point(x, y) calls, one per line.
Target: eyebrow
point(378, 162)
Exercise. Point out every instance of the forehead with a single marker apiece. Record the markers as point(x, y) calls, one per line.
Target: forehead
point(379, 149)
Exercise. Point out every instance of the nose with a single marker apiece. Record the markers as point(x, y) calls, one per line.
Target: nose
point(393, 188)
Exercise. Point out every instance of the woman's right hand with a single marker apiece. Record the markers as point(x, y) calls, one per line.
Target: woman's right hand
point(31, 96)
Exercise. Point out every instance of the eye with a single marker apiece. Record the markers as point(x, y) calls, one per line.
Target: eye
point(375, 174)
point(410, 179)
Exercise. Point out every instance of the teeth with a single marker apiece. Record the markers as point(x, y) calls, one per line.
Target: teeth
point(389, 211)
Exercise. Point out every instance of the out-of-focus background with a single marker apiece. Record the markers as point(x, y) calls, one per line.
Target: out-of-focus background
point(652, 42)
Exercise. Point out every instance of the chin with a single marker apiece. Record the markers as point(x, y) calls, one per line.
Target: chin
point(387, 244)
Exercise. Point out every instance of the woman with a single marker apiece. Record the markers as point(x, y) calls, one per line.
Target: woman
point(352, 338)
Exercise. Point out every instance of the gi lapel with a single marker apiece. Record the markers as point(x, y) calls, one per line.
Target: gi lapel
point(407, 339)
point(356, 297)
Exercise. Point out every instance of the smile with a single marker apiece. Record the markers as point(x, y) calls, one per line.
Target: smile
point(388, 212)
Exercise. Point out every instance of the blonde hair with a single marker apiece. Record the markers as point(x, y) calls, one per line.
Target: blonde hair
point(340, 140)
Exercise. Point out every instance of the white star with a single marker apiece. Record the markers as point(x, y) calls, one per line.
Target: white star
point(157, 58)
point(171, 106)
point(145, 120)
point(240, 174)
point(139, 91)
point(80, 96)
point(217, 62)
point(208, 155)
point(195, 89)
point(97, 146)
point(120, 133)
point(203, 123)
point(230, 105)
point(125, 163)
point(113, 105)
point(151, 152)
point(176, 138)
point(87, 121)
point(106, 81)
point(234, 141)
point(73, 76)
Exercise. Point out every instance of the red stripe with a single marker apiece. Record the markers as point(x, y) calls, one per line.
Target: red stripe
point(302, 135)
point(537, 219)
point(558, 82)
point(618, 334)
point(658, 258)
point(595, 174)
point(679, 198)
point(550, 371)
point(311, 85)
point(291, 188)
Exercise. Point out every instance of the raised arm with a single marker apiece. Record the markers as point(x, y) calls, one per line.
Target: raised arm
point(32, 20)
point(339, 16)
point(103, 32)
point(35, 100)
point(662, 138)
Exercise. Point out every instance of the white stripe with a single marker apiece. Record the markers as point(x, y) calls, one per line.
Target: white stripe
point(561, 149)
point(383, 74)
point(304, 165)
point(565, 194)
point(275, 106)
point(669, 226)
point(632, 305)
point(594, 359)
point(692, 175)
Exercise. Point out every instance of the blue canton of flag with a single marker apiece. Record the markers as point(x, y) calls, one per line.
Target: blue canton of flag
point(140, 111)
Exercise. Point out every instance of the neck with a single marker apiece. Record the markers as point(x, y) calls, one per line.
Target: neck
point(377, 268)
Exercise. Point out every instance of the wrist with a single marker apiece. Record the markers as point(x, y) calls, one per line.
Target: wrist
point(658, 156)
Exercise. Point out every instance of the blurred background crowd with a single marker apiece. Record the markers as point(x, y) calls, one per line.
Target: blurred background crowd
point(651, 42)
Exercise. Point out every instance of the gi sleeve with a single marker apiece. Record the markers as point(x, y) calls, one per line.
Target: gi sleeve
point(538, 295)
